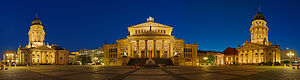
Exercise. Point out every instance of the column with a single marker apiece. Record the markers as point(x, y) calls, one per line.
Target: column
point(163, 48)
point(258, 56)
point(171, 50)
point(244, 57)
point(170, 53)
point(47, 58)
point(42, 57)
point(265, 56)
point(154, 49)
point(130, 49)
point(253, 57)
point(146, 48)
point(36, 57)
point(239, 57)
point(138, 47)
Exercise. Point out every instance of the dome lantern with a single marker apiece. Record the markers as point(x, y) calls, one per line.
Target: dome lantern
point(36, 21)
point(259, 16)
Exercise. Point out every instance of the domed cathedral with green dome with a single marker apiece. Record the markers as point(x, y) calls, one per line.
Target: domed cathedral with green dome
point(37, 52)
point(259, 49)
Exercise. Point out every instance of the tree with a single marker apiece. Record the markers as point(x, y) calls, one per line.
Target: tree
point(211, 59)
point(86, 59)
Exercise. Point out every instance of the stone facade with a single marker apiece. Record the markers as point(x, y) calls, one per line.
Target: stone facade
point(150, 39)
point(259, 49)
point(36, 52)
point(9, 57)
point(218, 57)
point(230, 56)
point(285, 57)
point(95, 55)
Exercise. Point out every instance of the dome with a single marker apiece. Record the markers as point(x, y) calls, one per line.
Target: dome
point(36, 21)
point(259, 16)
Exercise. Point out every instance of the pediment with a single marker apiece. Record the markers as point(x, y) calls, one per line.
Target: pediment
point(153, 24)
point(252, 46)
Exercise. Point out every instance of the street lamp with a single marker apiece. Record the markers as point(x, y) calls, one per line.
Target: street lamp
point(290, 55)
point(205, 58)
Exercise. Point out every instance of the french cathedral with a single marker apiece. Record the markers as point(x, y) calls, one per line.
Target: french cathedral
point(37, 52)
point(259, 49)
point(150, 40)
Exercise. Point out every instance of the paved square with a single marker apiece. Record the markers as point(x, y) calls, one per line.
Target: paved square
point(68, 72)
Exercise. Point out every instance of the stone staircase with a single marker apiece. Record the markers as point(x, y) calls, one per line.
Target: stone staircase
point(142, 61)
point(164, 61)
point(138, 61)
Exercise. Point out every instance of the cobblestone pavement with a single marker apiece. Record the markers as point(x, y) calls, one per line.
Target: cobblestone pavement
point(59, 72)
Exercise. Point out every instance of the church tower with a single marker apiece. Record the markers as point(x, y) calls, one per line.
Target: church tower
point(36, 33)
point(259, 30)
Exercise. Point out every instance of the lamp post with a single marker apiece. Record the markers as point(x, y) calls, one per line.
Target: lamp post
point(290, 55)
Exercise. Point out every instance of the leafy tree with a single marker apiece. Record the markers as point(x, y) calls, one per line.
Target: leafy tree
point(210, 59)
point(86, 59)
point(286, 62)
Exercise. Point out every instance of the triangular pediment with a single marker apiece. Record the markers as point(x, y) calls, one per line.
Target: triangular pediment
point(152, 24)
point(43, 48)
point(252, 46)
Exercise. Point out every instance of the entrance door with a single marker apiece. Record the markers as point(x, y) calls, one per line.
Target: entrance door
point(158, 54)
point(143, 54)
point(165, 54)
point(136, 55)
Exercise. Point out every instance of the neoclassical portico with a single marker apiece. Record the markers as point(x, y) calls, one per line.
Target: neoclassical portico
point(37, 52)
point(258, 49)
point(149, 39)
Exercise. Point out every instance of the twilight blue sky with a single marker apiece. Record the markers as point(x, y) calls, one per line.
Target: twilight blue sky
point(84, 24)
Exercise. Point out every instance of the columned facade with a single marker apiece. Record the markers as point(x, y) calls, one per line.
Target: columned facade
point(36, 52)
point(148, 40)
point(259, 50)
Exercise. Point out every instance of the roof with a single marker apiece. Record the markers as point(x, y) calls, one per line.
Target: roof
point(36, 21)
point(199, 52)
point(42, 48)
point(150, 23)
point(56, 47)
point(259, 16)
point(230, 51)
